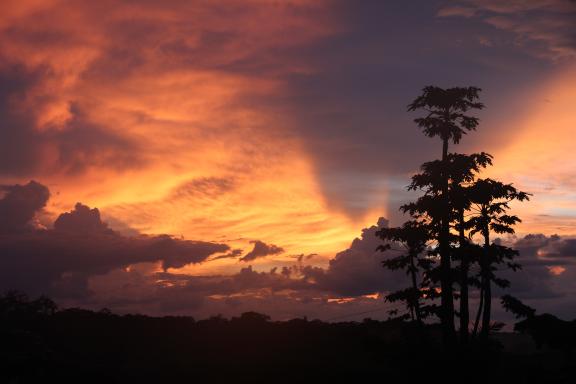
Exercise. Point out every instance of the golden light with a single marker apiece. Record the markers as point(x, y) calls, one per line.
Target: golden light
point(540, 158)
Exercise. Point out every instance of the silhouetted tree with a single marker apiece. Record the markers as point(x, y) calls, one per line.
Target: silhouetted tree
point(516, 307)
point(445, 118)
point(461, 170)
point(413, 236)
point(17, 306)
point(490, 201)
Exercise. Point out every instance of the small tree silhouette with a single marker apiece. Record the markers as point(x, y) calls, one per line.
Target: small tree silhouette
point(446, 119)
point(490, 201)
point(413, 236)
point(516, 307)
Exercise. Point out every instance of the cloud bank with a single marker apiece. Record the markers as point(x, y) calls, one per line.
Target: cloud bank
point(59, 261)
point(81, 261)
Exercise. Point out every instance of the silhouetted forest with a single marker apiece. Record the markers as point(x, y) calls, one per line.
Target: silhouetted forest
point(44, 344)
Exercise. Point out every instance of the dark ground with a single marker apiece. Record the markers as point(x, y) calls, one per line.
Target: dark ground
point(78, 346)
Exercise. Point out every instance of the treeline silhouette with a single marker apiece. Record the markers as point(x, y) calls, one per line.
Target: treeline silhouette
point(41, 343)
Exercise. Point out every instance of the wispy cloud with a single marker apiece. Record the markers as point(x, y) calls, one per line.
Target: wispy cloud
point(544, 28)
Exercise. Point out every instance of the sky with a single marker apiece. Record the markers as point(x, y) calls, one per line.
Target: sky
point(204, 157)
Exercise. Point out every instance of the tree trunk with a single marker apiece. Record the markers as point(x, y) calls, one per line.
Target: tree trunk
point(479, 313)
point(487, 309)
point(446, 296)
point(486, 285)
point(464, 267)
point(416, 291)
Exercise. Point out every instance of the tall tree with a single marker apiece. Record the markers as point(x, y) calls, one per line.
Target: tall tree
point(446, 118)
point(490, 201)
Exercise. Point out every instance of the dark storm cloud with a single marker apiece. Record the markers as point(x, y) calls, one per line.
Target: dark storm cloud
point(80, 245)
point(260, 250)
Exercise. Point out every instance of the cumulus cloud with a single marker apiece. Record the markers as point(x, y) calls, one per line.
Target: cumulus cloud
point(544, 275)
point(261, 249)
point(549, 249)
point(81, 219)
point(357, 270)
point(19, 204)
point(559, 248)
point(547, 279)
point(80, 245)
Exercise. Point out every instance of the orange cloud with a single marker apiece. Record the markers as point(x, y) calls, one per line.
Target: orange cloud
point(556, 270)
point(177, 92)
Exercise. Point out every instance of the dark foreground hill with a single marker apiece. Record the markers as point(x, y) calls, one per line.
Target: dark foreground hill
point(41, 344)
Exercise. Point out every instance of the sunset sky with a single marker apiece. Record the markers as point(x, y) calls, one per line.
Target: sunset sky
point(235, 149)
